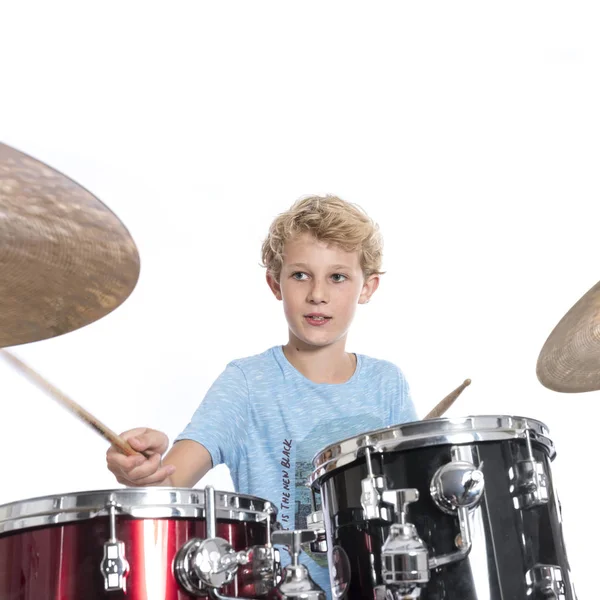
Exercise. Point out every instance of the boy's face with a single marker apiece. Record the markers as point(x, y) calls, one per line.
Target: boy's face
point(320, 286)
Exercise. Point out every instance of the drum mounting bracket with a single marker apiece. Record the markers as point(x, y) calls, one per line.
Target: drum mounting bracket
point(456, 488)
point(203, 566)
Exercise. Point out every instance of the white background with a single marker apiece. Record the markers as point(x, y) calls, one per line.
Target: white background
point(468, 130)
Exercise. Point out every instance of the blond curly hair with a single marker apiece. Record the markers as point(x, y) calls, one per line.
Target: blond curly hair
point(331, 220)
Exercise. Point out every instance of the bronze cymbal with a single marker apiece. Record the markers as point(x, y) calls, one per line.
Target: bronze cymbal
point(570, 358)
point(65, 259)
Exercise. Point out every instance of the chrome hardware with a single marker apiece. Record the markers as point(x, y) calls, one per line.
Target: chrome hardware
point(456, 488)
point(183, 567)
point(208, 563)
point(265, 568)
point(114, 565)
point(265, 561)
point(545, 581)
point(203, 566)
point(427, 433)
point(371, 498)
point(216, 562)
point(457, 484)
point(138, 503)
point(265, 571)
point(404, 555)
point(296, 583)
point(265, 565)
point(529, 481)
point(383, 593)
point(529, 486)
point(400, 500)
point(315, 523)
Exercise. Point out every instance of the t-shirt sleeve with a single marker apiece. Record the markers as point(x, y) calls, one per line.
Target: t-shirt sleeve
point(403, 409)
point(220, 421)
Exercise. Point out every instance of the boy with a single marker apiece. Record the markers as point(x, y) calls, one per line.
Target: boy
point(267, 415)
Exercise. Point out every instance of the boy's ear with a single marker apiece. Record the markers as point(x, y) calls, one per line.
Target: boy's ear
point(369, 286)
point(275, 287)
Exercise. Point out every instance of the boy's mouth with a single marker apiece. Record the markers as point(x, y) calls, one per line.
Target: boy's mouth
point(317, 318)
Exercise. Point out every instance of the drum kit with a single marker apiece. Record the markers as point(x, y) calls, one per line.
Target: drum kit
point(442, 508)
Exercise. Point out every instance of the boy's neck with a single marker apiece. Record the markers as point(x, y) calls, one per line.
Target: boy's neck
point(329, 364)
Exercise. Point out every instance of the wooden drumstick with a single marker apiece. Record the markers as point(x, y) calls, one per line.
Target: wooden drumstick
point(71, 405)
point(439, 409)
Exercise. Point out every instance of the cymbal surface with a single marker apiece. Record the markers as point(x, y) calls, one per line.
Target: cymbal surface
point(570, 358)
point(65, 259)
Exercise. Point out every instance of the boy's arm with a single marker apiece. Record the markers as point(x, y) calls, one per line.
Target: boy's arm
point(192, 461)
point(198, 448)
point(183, 466)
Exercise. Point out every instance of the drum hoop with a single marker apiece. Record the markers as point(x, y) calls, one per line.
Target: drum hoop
point(141, 503)
point(430, 432)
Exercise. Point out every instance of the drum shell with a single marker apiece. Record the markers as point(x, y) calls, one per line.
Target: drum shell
point(507, 541)
point(62, 561)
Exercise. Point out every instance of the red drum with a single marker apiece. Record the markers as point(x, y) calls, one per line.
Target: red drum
point(137, 544)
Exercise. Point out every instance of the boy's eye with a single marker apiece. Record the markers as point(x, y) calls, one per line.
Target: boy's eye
point(338, 277)
point(299, 275)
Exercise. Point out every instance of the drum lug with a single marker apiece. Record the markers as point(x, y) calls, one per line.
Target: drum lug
point(114, 565)
point(545, 581)
point(529, 481)
point(296, 583)
point(316, 523)
point(371, 498)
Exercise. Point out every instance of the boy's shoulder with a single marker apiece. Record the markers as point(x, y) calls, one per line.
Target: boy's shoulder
point(382, 372)
point(379, 365)
point(255, 361)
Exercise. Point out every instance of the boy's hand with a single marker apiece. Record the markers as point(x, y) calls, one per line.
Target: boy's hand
point(140, 471)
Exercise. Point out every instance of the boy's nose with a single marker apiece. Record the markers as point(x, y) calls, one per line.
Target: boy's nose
point(318, 294)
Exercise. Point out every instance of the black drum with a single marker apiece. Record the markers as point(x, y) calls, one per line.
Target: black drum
point(443, 509)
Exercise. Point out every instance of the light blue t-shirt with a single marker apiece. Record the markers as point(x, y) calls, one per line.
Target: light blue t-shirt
point(266, 421)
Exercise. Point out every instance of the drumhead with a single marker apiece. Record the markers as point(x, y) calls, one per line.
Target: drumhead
point(431, 432)
point(142, 503)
